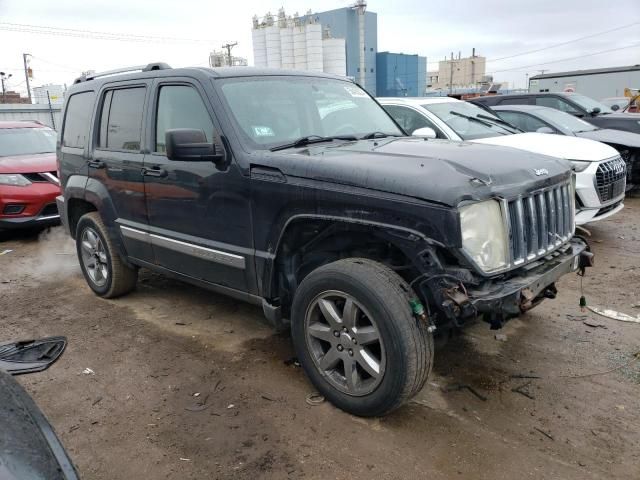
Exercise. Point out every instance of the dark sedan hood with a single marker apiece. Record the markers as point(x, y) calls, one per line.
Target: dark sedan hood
point(435, 170)
point(629, 122)
point(618, 137)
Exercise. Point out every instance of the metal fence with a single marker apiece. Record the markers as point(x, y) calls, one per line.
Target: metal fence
point(41, 113)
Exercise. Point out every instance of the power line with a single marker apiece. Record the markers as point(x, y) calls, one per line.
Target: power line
point(97, 35)
point(565, 59)
point(563, 43)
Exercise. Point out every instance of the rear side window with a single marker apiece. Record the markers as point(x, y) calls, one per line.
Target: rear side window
point(121, 119)
point(78, 119)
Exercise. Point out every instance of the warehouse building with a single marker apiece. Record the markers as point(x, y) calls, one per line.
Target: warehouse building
point(595, 83)
point(400, 75)
point(458, 72)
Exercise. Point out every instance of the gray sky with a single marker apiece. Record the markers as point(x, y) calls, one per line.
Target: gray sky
point(495, 28)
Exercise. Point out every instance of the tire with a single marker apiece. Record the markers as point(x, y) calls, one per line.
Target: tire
point(403, 353)
point(109, 277)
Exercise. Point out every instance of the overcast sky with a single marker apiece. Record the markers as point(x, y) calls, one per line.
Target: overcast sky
point(433, 29)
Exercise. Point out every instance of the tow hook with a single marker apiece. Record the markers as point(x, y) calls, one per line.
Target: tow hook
point(418, 311)
point(585, 260)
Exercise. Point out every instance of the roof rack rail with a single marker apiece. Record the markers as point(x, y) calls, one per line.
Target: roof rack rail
point(139, 68)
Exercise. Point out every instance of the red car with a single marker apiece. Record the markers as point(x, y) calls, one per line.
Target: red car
point(28, 179)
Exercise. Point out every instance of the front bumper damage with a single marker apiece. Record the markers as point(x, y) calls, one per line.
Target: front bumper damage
point(498, 299)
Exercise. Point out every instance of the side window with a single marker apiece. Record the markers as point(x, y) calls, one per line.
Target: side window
point(180, 106)
point(514, 101)
point(121, 119)
point(523, 121)
point(557, 103)
point(410, 120)
point(78, 119)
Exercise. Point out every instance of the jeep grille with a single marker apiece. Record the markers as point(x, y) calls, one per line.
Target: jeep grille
point(539, 223)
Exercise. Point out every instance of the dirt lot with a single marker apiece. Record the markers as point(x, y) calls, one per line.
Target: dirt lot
point(138, 416)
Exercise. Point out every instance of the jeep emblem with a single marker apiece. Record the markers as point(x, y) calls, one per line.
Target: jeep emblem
point(540, 171)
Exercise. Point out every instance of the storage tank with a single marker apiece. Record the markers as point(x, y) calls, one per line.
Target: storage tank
point(286, 47)
point(272, 35)
point(314, 46)
point(299, 47)
point(334, 56)
point(259, 47)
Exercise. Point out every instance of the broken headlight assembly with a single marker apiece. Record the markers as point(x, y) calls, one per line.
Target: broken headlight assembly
point(484, 235)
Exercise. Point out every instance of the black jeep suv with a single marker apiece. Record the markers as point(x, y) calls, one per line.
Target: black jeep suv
point(297, 192)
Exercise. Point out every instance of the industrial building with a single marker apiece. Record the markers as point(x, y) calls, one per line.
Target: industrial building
point(55, 94)
point(400, 75)
point(220, 58)
point(341, 41)
point(595, 83)
point(458, 72)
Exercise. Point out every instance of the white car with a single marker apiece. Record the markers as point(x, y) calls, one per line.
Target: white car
point(600, 171)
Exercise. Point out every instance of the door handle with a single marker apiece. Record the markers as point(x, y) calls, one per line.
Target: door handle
point(96, 164)
point(155, 172)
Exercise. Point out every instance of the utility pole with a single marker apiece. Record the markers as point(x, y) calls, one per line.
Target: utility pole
point(542, 71)
point(53, 120)
point(4, 77)
point(228, 47)
point(26, 74)
point(451, 77)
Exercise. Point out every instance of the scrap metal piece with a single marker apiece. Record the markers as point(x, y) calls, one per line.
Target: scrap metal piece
point(614, 315)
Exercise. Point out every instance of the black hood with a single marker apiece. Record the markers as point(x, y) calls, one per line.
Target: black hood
point(440, 171)
point(618, 137)
point(629, 122)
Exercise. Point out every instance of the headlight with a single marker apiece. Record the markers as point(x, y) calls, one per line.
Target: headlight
point(579, 166)
point(14, 179)
point(484, 236)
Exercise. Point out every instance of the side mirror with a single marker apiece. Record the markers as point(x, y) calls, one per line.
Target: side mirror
point(188, 144)
point(615, 107)
point(544, 130)
point(595, 111)
point(426, 132)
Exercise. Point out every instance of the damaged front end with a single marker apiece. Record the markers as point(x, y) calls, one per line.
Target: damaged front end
point(506, 296)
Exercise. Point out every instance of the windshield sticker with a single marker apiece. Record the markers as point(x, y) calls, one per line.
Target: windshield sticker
point(355, 91)
point(262, 131)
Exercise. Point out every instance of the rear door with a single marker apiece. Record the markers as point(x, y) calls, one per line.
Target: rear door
point(199, 212)
point(117, 161)
point(74, 141)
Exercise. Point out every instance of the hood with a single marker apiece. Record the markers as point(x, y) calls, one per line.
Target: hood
point(559, 146)
point(609, 135)
point(439, 171)
point(42, 162)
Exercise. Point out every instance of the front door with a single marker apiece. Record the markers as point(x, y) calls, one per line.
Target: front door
point(199, 212)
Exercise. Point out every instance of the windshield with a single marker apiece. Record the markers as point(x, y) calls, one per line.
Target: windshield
point(26, 141)
point(274, 111)
point(565, 120)
point(478, 126)
point(589, 103)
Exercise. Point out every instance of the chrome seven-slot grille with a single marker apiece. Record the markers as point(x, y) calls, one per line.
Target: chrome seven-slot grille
point(611, 178)
point(539, 222)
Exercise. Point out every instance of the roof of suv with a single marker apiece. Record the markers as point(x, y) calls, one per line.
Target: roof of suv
point(155, 70)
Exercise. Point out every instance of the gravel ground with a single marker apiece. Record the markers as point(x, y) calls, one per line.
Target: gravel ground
point(190, 384)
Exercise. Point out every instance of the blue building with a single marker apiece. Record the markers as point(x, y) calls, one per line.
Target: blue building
point(345, 23)
point(400, 75)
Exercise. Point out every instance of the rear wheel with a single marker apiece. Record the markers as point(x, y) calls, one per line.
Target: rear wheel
point(102, 267)
point(357, 339)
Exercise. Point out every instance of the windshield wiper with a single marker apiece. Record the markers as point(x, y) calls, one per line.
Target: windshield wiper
point(372, 135)
point(500, 121)
point(470, 117)
point(310, 139)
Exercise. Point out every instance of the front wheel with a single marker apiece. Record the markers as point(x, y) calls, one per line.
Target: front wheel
point(101, 265)
point(357, 339)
